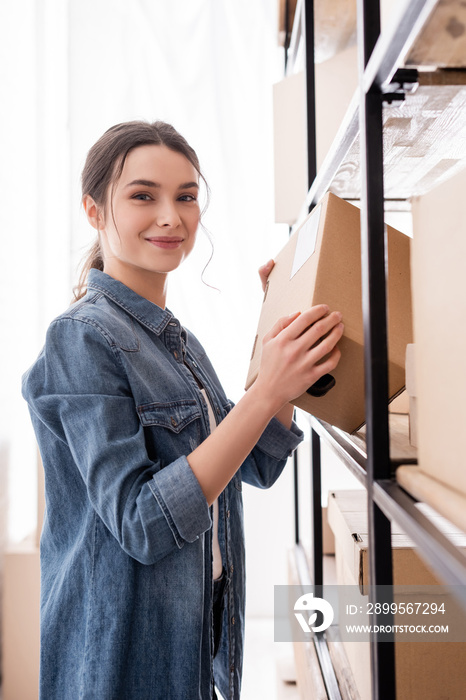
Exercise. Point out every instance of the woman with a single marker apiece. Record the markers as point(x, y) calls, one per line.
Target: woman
point(142, 559)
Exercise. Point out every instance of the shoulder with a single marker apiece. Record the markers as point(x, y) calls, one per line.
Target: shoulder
point(95, 315)
point(81, 349)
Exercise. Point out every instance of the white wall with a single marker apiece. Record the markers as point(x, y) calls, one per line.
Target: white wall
point(69, 71)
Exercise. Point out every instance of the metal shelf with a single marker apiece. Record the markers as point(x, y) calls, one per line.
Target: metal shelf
point(386, 58)
point(446, 560)
point(382, 55)
point(352, 457)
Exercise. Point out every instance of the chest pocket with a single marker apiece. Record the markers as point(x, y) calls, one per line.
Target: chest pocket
point(174, 415)
point(171, 429)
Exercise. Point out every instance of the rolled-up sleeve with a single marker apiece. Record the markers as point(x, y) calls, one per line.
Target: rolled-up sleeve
point(184, 508)
point(268, 459)
point(280, 442)
point(79, 395)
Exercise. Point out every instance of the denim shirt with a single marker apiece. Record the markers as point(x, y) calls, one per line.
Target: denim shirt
point(126, 546)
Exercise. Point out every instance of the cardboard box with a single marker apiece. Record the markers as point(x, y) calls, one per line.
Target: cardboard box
point(400, 404)
point(321, 263)
point(336, 81)
point(424, 670)
point(412, 393)
point(289, 147)
point(21, 636)
point(439, 303)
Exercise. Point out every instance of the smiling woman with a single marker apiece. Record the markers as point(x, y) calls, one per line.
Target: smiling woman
point(142, 548)
point(156, 206)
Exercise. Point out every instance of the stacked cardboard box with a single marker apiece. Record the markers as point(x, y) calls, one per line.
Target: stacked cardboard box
point(424, 670)
point(439, 300)
point(335, 84)
point(412, 394)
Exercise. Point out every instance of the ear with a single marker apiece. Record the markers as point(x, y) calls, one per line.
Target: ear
point(93, 213)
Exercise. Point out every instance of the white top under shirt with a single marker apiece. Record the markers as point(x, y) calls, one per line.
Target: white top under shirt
point(216, 553)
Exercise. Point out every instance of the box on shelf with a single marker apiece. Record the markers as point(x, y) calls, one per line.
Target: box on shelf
point(334, 24)
point(400, 404)
point(289, 147)
point(412, 393)
point(424, 670)
point(321, 263)
point(335, 83)
point(442, 41)
point(445, 500)
point(439, 304)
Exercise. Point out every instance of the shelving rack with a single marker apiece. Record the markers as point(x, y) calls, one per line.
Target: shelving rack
point(382, 79)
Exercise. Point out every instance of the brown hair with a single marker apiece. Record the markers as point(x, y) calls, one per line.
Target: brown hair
point(104, 165)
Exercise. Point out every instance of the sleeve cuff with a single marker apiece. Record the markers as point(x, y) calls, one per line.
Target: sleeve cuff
point(279, 442)
point(182, 501)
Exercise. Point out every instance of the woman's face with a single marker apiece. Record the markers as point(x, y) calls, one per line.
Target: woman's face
point(151, 221)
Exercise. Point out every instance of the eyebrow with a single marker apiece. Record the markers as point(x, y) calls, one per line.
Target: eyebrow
point(150, 183)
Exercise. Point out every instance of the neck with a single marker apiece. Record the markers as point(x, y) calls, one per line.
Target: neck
point(150, 285)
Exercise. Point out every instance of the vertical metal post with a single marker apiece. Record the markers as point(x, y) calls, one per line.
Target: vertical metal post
point(316, 514)
point(308, 24)
point(286, 44)
point(373, 250)
point(296, 495)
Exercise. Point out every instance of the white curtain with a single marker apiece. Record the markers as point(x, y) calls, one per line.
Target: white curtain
point(68, 71)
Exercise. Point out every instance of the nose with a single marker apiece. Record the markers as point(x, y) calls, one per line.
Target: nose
point(167, 215)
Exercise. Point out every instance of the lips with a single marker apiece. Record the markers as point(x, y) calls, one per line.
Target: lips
point(168, 242)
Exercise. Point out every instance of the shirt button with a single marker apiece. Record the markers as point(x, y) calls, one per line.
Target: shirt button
point(173, 421)
point(228, 513)
point(232, 620)
point(175, 355)
point(231, 568)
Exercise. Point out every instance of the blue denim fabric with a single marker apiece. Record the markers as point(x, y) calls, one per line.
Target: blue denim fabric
point(126, 547)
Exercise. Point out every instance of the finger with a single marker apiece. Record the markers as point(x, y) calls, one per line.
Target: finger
point(314, 334)
point(327, 344)
point(280, 325)
point(329, 364)
point(264, 272)
point(306, 319)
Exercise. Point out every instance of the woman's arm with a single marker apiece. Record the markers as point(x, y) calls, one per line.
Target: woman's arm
point(292, 360)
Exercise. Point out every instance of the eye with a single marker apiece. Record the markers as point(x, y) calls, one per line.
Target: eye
point(142, 196)
point(187, 198)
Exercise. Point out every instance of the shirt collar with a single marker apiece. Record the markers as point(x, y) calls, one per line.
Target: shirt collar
point(147, 313)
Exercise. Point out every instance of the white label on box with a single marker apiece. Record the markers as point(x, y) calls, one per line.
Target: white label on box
point(306, 243)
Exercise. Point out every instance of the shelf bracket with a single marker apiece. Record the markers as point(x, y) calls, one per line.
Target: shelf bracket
point(405, 80)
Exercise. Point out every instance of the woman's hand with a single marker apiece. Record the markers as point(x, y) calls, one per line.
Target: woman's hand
point(292, 360)
point(264, 272)
point(297, 352)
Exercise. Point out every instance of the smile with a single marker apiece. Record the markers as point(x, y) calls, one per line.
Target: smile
point(165, 242)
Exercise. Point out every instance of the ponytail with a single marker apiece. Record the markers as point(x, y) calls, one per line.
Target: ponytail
point(92, 260)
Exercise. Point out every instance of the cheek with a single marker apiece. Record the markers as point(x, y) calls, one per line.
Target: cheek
point(126, 230)
point(194, 222)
